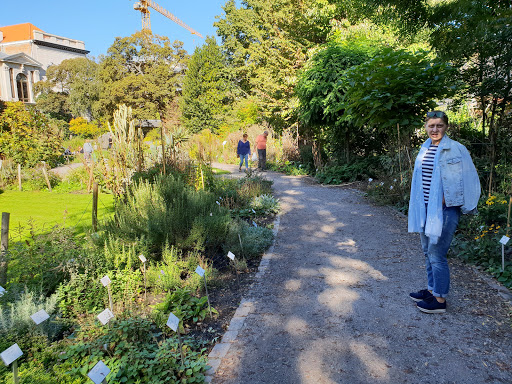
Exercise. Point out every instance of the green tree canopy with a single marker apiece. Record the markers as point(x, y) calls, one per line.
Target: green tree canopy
point(207, 89)
point(26, 136)
point(143, 71)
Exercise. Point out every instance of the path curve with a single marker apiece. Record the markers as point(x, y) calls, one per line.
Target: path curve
point(332, 306)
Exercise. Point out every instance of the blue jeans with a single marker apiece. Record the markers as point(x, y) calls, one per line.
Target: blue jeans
point(246, 158)
point(438, 272)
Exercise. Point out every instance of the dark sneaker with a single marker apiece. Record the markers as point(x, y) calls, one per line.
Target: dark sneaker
point(420, 295)
point(431, 305)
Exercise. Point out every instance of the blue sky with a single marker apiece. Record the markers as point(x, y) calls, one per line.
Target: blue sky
point(97, 23)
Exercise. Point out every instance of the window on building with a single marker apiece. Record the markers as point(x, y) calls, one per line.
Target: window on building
point(11, 76)
point(22, 85)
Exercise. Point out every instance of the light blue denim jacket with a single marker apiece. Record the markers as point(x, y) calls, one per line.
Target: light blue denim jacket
point(454, 177)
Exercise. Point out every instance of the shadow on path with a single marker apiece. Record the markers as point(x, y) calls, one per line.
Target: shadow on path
point(333, 306)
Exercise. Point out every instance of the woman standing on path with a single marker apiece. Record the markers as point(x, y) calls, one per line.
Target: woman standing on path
point(445, 184)
point(243, 151)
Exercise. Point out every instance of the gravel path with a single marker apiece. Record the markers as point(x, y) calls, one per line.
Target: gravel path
point(332, 306)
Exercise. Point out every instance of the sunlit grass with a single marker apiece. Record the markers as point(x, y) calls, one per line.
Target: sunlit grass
point(39, 211)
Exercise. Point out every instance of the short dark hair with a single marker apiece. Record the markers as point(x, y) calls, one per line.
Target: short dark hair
point(437, 114)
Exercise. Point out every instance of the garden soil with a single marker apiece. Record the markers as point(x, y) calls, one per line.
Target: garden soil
point(332, 305)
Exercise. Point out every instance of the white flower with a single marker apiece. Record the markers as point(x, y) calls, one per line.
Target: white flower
point(394, 181)
point(370, 180)
point(390, 187)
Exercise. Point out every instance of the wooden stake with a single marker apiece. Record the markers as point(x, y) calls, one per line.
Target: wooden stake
point(15, 372)
point(46, 177)
point(95, 207)
point(508, 216)
point(19, 177)
point(4, 245)
point(207, 295)
point(181, 347)
point(110, 299)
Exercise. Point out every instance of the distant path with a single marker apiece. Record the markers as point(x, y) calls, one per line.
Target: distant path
point(65, 169)
point(333, 306)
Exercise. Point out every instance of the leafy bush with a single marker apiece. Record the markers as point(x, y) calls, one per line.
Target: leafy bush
point(184, 305)
point(133, 355)
point(265, 204)
point(360, 169)
point(255, 240)
point(168, 211)
point(43, 262)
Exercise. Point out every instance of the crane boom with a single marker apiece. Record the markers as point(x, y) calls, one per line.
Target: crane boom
point(143, 6)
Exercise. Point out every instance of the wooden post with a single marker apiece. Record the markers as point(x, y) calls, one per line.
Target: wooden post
point(181, 347)
point(3, 247)
point(91, 177)
point(19, 176)
point(207, 296)
point(95, 207)
point(15, 372)
point(46, 177)
point(163, 146)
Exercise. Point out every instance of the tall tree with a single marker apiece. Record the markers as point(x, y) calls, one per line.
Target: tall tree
point(207, 89)
point(267, 42)
point(143, 71)
point(71, 88)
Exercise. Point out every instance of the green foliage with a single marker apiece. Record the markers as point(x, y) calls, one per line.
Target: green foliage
point(188, 308)
point(265, 204)
point(359, 169)
point(288, 167)
point(394, 87)
point(206, 89)
point(143, 71)
point(133, 354)
point(255, 240)
point(168, 211)
point(43, 261)
point(80, 126)
point(27, 137)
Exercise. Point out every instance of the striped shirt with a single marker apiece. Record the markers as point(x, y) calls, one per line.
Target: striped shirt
point(427, 167)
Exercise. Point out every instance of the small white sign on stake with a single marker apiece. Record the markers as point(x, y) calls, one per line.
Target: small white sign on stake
point(105, 280)
point(99, 372)
point(11, 354)
point(40, 316)
point(253, 211)
point(105, 316)
point(173, 322)
point(200, 271)
point(231, 255)
point(142, 258)
point(504, 240)
point(224, 143)
point(217, 203)
point(2, 291)
point(253, 223)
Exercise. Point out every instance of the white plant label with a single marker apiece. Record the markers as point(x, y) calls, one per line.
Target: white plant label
point(253, 211)
point(217, 203)
point(99, 372)
point(142, 258)
point(105, 316)
point(40, 316)
point(504, 240)
point(105, 280)
point(173, 322)
point(2, 291)
point(231, 255)
point(11, 354)
point(224, 143)
point(253, 223)
point(200, 271)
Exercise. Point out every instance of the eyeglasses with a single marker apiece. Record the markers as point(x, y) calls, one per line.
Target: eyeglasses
point(439, 114)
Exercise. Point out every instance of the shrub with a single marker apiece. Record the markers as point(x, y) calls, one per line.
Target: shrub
point(265, 204)
point(360, 169)
point(255, 240)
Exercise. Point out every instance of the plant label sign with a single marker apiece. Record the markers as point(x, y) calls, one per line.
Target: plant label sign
point(40, 316)
point(142, 258)
point(504, 240)
point(253, 211)
point(200, 271)
point(173, 322)
point(105, 316)
point(99, 372)
point(253, 223)
point(2, 291)
point(105, 280)
point(231, 255)
point(217, 202)
point(11, 354)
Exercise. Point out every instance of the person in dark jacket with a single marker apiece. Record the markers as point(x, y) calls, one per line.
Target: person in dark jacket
point(243, 151)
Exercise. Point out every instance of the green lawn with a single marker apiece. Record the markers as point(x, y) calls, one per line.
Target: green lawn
point(43, 210)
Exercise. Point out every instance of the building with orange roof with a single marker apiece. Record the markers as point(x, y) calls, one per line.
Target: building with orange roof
point(26, 52)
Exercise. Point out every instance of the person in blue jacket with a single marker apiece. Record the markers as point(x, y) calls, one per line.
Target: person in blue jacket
point(243, 151)
point(445, 184)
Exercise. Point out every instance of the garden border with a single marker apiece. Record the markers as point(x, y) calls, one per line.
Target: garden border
point(220, 350)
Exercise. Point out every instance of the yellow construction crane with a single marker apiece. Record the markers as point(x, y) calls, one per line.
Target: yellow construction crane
point(144, 5)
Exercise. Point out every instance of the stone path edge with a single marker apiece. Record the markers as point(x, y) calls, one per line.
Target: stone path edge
point(244, 309)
